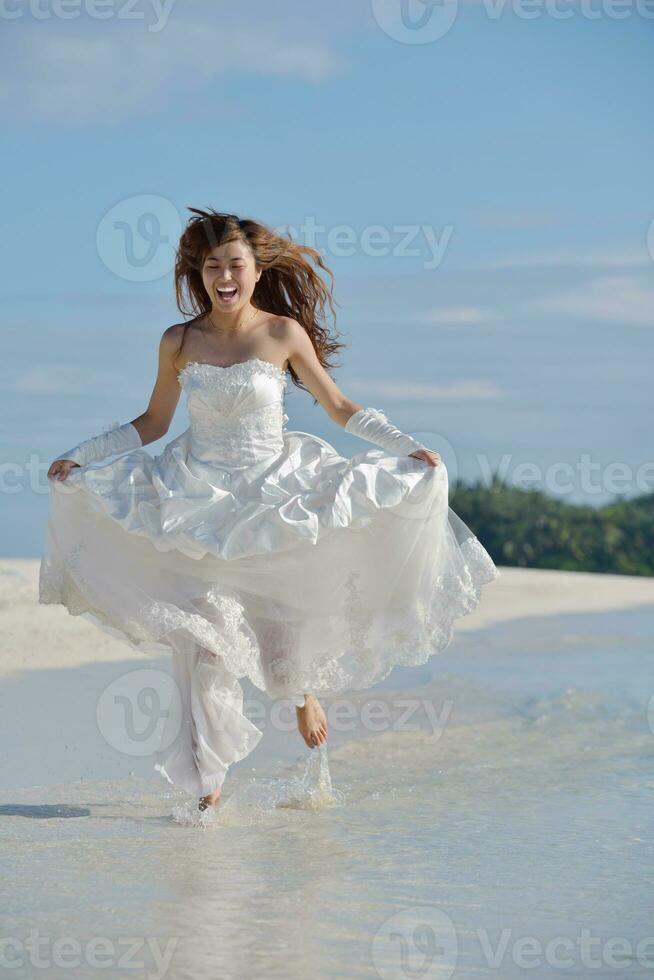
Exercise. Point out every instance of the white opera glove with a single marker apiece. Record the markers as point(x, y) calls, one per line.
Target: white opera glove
point(118, 440)
point(372, 424)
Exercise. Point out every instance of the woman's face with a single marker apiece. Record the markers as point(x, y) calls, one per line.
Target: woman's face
point(229, 275)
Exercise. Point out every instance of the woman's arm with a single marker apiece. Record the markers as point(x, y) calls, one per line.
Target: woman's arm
point(146, 428)
point(368, 423)
point(307, 366)
point(155, 421)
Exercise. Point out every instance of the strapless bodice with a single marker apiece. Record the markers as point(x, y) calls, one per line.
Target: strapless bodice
point(236, 411)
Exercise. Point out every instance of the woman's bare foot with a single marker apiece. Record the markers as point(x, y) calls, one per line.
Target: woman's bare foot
point(312, 721)
point(210, 800)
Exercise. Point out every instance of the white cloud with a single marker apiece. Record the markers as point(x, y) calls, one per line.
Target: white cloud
point(454, 315)
point(618, 258)
point(517, 218)
point(61, 379)
point(100, 71)
point(413, 391)
point(618, 299)
point(40, 380)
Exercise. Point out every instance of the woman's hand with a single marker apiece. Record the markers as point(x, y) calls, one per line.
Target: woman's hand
point(428, 456)
point(60, 468)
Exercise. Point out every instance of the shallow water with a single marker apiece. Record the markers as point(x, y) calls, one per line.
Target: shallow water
point(506, 805)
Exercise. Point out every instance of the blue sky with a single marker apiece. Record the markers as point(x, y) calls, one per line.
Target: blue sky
point(493, 184)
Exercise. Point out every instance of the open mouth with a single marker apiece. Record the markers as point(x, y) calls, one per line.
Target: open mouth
point(228, 295)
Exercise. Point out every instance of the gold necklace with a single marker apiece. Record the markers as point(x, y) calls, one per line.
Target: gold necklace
point(238, 326)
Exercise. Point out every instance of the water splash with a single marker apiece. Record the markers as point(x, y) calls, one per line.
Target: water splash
point(187, 814)
point(311, 789)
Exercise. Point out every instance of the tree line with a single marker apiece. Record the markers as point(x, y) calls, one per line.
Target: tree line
point(531, 530)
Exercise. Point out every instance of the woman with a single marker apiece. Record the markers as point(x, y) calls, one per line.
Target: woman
point(247, 549)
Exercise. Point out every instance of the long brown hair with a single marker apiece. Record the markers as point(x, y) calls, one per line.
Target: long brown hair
point(288, 285)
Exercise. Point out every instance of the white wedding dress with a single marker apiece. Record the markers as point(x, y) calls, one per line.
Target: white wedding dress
point(250, 550)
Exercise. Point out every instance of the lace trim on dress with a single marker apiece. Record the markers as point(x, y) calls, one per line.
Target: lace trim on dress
point(230, 375)
point(426, 629)
point(216, 621)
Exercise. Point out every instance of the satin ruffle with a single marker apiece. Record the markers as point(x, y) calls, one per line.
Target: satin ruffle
point(181, 504)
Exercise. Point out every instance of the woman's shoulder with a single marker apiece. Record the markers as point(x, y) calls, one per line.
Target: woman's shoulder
point(171, 343)
point(175, 332)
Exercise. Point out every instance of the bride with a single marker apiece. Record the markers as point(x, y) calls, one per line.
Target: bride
point(244, 548)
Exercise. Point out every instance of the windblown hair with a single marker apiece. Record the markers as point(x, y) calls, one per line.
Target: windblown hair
point(288, 285)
